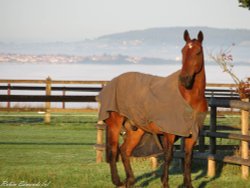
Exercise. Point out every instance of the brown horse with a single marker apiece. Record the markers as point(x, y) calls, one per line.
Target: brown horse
point(137, 118)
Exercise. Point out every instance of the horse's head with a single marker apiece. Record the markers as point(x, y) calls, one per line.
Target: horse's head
point(192, 59)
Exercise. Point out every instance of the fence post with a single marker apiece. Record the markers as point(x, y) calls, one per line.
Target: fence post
point(154, 162)
point(100, 146)
point(201, 143)
point(8, 93)
point(99, 141)
point(244, 144)
point(63, 93)
point(47, 116)
point(212, 146)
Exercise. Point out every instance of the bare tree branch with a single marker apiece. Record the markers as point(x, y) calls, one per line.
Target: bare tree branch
point(225, 60)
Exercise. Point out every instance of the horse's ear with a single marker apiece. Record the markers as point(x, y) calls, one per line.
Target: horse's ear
point(200, 36)
point(186, 36)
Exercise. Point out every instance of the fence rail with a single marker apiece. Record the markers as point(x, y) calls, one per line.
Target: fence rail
point(40, 88)
point(48, 98)
point(53, 81)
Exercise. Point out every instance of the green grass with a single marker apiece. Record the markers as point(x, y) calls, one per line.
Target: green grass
point(62, 155)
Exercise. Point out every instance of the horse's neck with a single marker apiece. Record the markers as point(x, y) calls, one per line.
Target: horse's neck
point(195, 97)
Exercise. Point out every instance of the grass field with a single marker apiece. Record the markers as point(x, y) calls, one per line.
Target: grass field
point(62, 155)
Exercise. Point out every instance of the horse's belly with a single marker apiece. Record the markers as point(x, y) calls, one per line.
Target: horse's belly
point(152, 128)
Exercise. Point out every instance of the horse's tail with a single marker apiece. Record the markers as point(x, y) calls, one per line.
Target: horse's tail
point(108, 148)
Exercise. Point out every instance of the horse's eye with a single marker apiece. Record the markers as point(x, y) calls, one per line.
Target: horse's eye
point(198, 53)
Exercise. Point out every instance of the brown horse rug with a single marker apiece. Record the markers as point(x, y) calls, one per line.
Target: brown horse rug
point(144, 98)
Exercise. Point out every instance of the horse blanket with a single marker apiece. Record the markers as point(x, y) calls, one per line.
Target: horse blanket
point(144, 98)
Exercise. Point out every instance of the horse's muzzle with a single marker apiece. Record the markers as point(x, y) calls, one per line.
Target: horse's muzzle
point(187, 81)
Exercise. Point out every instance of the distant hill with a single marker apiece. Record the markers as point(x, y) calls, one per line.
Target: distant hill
point(154, 43)
point(173, 36)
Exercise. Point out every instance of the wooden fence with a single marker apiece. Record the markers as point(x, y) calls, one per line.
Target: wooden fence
point(48, 86)
point(217, 94)
point(9, 86)
point(244, 137)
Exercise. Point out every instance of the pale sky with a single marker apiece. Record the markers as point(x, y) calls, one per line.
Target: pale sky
point(73, 20)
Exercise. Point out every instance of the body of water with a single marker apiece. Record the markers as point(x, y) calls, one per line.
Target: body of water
point(214, 73)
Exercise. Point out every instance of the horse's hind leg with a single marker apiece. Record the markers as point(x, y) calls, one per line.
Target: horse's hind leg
point(131, 140)
point(114, 124)
point(189, 144)
point(168, 143)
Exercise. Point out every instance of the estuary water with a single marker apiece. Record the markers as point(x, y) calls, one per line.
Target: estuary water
point(214, 73)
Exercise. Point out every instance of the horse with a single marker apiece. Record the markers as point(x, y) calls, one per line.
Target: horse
point(136, 102)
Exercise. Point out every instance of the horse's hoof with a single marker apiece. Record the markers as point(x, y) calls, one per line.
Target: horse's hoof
point(165, 186)
point(119, 184)
point(122, 186)
point(129, 182)
point(186, 186)
point(189, 186)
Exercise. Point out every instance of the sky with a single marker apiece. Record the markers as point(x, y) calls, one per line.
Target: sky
point(76, 20)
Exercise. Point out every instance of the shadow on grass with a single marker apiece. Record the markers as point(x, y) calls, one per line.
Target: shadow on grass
point(175, 169)
point(204, 183)
point(22, 120)
point(46, 143)
point(31, 120)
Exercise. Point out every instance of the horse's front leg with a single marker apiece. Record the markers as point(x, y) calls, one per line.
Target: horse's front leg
point(189, 144)
point(131, 140)
point(168, 155)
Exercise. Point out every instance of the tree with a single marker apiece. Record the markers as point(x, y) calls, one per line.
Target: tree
point(245, 3)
